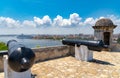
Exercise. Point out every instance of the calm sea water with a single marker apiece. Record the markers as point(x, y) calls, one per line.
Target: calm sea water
point(32, 43)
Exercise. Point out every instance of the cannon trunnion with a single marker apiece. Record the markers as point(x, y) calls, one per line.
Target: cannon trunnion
point(20, 58)
point(96, 45)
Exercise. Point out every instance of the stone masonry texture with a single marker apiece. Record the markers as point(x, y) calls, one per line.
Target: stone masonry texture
point(104, 65)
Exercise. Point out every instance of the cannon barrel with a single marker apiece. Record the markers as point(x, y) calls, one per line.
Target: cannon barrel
point(96, 45)
point(20, 58)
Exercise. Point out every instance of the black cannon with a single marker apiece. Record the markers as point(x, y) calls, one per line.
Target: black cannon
point(96, 45)
point(20, 58)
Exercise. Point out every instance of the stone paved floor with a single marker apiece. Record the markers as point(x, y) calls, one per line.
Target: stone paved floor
point(104, 65)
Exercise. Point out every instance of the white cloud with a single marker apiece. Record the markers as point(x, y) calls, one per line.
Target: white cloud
point(115, 19)
point(75, 19)
point(89, 21)
point(58, 21)
point(28, 24)
point(45, 21)
point(9, 22)
point(38, 21)
point(74, 22)
point(101, 17)
point(66, 22)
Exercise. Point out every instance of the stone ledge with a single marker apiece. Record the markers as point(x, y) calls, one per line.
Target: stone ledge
point(47, 53)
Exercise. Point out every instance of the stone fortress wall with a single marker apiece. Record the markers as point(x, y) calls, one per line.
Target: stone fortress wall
point(47, 53)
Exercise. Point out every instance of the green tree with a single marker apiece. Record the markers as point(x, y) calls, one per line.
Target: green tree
point(118, 40)
point(3, 46)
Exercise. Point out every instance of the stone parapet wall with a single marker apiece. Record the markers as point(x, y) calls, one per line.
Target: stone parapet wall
point(47, 53)
point(115, 47)
point(1, 63)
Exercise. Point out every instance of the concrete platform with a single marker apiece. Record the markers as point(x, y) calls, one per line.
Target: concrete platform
point(104, 65)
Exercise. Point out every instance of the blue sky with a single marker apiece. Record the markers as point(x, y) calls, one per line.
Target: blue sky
point(55, 16)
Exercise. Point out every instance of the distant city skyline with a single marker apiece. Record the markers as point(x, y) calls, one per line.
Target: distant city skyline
point(56, 16)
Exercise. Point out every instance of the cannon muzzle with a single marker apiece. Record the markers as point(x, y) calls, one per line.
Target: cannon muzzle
point(20, 58)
